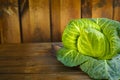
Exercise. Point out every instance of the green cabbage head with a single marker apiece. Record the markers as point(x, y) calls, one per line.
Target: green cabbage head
point(94, 45)
point(99, 37)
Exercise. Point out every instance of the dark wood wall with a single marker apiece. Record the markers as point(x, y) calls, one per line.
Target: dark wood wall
point(26, 21)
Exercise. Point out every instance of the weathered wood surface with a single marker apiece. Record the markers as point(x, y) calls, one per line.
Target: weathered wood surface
point(34, 62)
point(55, 20)
point(36, 24)
point(86, 8)
point(102, 8)
point(116, 7)
point(9, 22)
point(28, 21)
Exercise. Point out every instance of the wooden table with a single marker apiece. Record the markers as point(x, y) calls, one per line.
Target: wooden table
point(34, 62)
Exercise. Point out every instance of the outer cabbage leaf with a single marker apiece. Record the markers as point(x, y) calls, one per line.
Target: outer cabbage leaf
point(70, 57)
point(103, 69)
point(96, 69)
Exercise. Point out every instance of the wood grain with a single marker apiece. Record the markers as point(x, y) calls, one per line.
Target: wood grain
point(0, 28)
point(86, 9)
point(10, 29)
point(59, 76)
point(34, 62)
point(116, 10)
point(45, 20)
point(37, 29)
point(55, 23)
point(102, 8)
point(69, 9)
point(25, 21)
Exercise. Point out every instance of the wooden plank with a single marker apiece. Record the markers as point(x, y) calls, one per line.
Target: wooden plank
point(22, 50)
point(86, 8)
point(57, 76)
point(37, 69)
point(55, 17)
point(10, 29)
point(27, 61)
point(69, 9)
point(25, 54)
point(29, 65)
point(0, 27)
point(38, 47)
point(25, 21)
point(37, 29)
point(35, 49)
point(116, 10)
point(34, 64)
point(102, 8)
point(30, 61)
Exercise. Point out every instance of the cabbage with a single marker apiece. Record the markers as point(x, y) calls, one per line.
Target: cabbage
point(94, 44)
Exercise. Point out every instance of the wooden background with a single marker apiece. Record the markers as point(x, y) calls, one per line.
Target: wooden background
point(28, 21)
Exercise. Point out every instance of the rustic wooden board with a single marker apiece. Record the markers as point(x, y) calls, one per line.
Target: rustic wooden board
point(102, 8)
point(86, 8)
point(25, 21)
point(116, 10)
point(37, 29)
point(0, 28)
point(34, 62)
point(9, 19)
point(59, 76)
point(55, 20)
